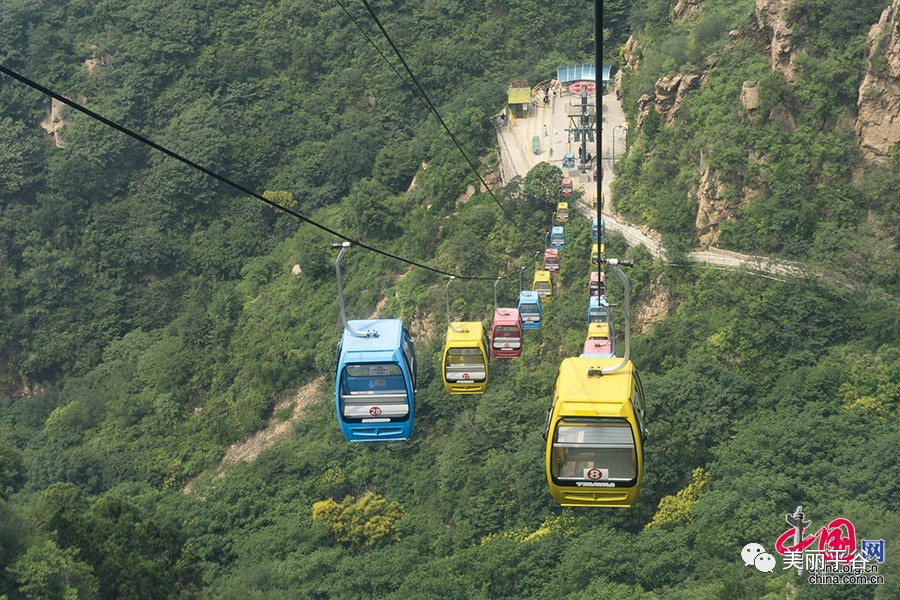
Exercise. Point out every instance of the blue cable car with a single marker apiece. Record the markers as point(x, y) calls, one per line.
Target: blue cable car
point(375, 381)
point(594, 227)
point(568, 160)
point(599, 311)
point(530, 309)
point(558, 237)
point(593, 309)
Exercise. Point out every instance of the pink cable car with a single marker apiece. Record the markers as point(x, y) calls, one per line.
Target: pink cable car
point(597, 286)
point(551, 260)
point(506, 333)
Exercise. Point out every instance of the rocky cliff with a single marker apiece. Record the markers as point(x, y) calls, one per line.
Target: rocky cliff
point(666, 97)
point(685, 8)
point(657, 307)
point(772, 21)
point(878, 121)
point(714, 205)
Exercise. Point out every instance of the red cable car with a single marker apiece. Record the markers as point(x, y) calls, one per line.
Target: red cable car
point(597, 286)
point(551, 260)
point(506, 333)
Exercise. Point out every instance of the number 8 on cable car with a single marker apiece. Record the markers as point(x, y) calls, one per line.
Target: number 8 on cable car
point(595, 434)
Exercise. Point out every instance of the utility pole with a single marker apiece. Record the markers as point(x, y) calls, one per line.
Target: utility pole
point(582, 118)
point(598, 76)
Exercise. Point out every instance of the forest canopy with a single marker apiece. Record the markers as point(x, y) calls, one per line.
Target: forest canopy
point(152, 322)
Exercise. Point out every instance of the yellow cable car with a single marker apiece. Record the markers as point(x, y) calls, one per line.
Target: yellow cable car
point(595, 434)
point(465, 360)
point(594, 202)
point(597, 251)
point(542, 285)
point(465, 363)
point(562, 212)
point(598, 331)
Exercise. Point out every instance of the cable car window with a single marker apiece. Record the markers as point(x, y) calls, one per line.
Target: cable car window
point(465, 356)
point(507, 337)
point(594, 450)
point(506, 331)
point(542, 285)
point(639, 407)
point(373, 379)
point(465, 365)
point(409, 353)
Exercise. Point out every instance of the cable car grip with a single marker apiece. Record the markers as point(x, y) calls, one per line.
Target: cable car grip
point(369, 333)
point(619, 261)
point(447, 299)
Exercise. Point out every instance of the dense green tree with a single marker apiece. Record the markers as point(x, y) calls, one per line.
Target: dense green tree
point(46, 571)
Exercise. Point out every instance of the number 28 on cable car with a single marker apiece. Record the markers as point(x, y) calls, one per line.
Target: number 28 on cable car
point(375, 391)
point(595, 434)
point(465, 361)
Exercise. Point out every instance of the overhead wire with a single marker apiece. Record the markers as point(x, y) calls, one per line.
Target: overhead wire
point(144, 140)
point(435, 112)
point(381, 54)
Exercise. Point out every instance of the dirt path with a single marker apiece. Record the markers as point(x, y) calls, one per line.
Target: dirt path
point(248, 450)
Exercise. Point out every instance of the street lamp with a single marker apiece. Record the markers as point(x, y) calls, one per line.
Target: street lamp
point(625, 129)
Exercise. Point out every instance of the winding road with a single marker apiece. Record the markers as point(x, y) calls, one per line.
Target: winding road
point(513, 136)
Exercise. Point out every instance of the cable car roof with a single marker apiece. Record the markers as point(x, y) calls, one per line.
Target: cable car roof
point(584, 395)
point(506, 316)
point(473, 331)
point(598, 330)
point(389, 334)
point(529, 296)
point(557, 229)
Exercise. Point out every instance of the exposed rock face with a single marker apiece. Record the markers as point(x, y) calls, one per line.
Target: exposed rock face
point(713, 207)
point(657, 308)
point(685, 8)
point(667, 95)
point(772, 18)
point(630, 54)
point(878, 123)
point(54, 121)
point(750, 95)
point(96, 60)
